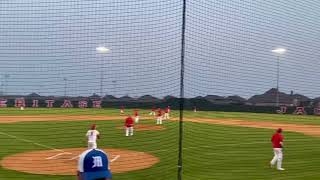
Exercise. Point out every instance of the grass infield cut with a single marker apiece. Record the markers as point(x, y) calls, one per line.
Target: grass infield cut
point(210, 151)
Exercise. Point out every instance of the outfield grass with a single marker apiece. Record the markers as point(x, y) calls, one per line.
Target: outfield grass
point(209, 151)
point(280, 118)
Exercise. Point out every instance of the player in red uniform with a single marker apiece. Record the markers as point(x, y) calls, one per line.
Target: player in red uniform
point(136, 116)
point(277, 144)
point(159, 116)
point(153, 111)
point(167, 113)
point(121, 109)
point(129, 126)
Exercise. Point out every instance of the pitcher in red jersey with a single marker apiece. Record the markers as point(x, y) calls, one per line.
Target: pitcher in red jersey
point(277, 144)
point(159, 116)
point(128, 124)
point(136, 116)
point(167, 113)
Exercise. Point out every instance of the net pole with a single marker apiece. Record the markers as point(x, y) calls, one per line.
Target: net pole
point(181, 103)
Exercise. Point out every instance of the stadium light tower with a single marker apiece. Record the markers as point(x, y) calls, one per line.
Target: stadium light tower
point(65, 87)
point(278, 52)
point(102, 50)
point(114, 87)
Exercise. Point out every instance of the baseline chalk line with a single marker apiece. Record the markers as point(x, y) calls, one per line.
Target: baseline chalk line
point(57, 155)
point(75, 157)
point(29, 141)
point(115, 158)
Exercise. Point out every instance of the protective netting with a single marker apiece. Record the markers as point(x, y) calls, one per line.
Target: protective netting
point(125, 51)
point(229, 56)
point(44, 44)
point(229, 47)
point(66, 65)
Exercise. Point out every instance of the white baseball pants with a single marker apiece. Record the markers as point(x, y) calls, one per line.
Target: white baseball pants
point(92, 145)
point(136, 119)
point(277, 158)
point(129, 131)
point(166, 116)
point(159, 120)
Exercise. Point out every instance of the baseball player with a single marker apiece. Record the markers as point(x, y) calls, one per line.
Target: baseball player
point(93, 164)
point(129, 126)
point(167, 113)
point(121, 109)
point(92, 136)
point(153, 111)
point(194, 109)
point(136, 116)
point(277, 144)
point(159, 116)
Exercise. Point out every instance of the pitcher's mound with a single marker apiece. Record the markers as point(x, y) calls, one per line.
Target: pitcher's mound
point(144, 127)
point(64, 161)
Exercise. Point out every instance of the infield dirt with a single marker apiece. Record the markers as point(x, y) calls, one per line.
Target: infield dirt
point(64, 161)
point(311, 130)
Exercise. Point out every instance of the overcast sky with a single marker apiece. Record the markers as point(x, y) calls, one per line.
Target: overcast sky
point(228, 46)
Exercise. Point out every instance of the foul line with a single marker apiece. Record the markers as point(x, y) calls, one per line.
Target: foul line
point(59, 154)
point(29, 141)
point(76, 157)
point(115, 158)
point(112, 160)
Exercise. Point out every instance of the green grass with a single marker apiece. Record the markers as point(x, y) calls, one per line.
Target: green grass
point(281, 118)
point(244, 153)
point(209, 151)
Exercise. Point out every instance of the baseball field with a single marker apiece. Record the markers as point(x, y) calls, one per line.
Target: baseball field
point(44, 144)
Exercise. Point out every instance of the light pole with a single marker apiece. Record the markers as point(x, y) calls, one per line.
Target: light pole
point(65, 86)
point(114, 87)
point(279, 52)
point(2, 87)
point(101, 50)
